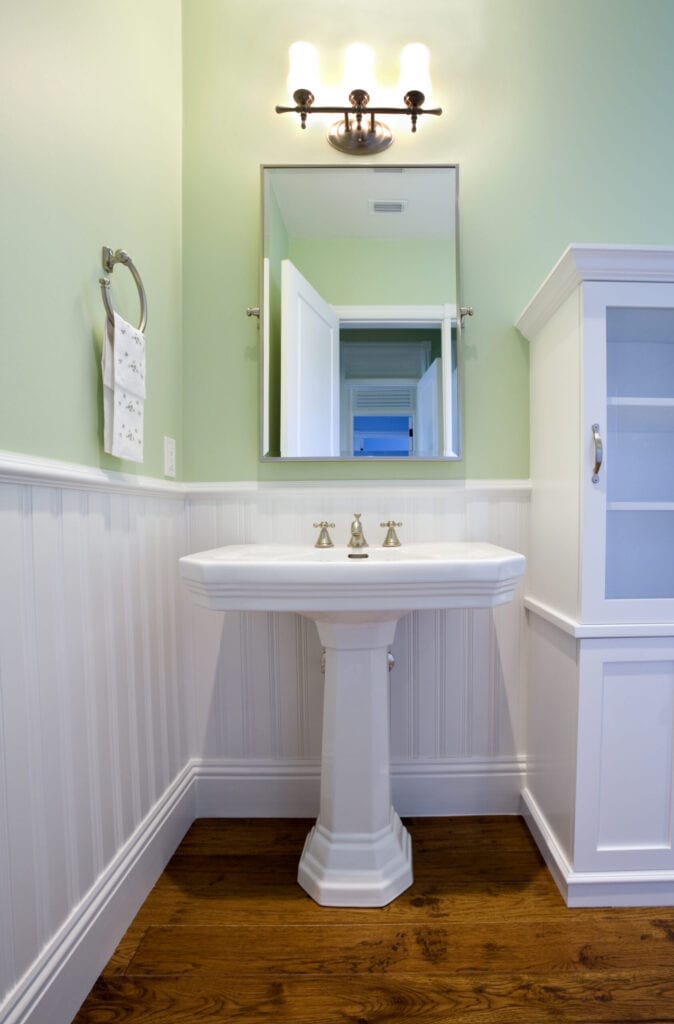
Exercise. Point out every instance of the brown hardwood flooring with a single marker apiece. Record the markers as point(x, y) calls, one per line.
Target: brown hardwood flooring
point(482, 936)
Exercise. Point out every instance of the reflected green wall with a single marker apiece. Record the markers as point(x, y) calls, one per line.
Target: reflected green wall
point(91, 135)
point(375, 272)
point(396, 335)
point(350, 272)
point(557, 112)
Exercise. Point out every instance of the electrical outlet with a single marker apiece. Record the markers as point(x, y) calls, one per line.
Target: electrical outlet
point(169, 456)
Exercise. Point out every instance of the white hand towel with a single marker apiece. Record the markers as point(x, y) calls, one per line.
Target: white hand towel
point(123, 366)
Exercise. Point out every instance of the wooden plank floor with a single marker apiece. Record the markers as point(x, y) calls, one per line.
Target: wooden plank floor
point(482, 936)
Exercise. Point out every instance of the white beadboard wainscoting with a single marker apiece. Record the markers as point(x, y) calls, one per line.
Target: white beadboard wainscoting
point(95, 791)
point(457, 687)
point(126, 711)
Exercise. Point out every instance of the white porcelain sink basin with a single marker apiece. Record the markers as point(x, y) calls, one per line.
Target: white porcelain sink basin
point(277, 577)
point(359, 853)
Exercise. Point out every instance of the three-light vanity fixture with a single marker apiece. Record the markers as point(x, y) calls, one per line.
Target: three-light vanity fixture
point(359, 132)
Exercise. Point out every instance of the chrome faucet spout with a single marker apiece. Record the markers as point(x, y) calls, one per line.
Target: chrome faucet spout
point(357, 538)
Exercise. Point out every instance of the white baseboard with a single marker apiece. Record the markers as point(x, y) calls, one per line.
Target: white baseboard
point(56, 984)
point(256, 789)
point(595, 888)
point(458, 786)
point(551, 852)
point(290, 789)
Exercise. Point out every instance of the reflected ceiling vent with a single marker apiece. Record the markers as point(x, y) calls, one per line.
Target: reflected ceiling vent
point(382, 398)
point(387, 205)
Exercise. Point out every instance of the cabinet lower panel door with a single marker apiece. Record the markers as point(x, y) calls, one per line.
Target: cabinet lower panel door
point(625, 764)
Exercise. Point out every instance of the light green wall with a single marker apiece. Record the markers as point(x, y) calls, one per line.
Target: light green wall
point(555, 110)
point(90, 128)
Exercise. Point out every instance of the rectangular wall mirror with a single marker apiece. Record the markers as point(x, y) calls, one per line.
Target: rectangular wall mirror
point(359, 313)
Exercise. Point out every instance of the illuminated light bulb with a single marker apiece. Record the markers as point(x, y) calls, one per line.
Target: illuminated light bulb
point(358, 68)
point(414, 70)
point(303, 73)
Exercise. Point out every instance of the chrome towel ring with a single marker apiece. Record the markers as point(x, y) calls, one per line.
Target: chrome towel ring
point(109, 259)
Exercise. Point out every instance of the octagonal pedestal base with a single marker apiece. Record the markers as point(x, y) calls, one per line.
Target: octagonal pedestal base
point(356, 869)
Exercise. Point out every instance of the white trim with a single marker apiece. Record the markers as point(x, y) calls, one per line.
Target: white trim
point(473, 488)
point(287, 789)
point(426, 484)
point(517, 487)
point(209, 489)
point(32, 469)
point(257, 789)
point(458, 786)
point(595, 888)
point(552, 853)
point(581, 263)
point(54, 987)
point(589, 631)
point(411, 316)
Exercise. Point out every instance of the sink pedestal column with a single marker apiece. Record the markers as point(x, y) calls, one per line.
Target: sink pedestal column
point(359, 853)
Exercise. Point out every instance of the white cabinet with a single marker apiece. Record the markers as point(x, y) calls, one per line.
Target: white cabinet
point(602, 352)
point(601, 573)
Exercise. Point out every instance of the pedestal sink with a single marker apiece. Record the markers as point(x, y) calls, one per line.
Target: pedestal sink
point(359, 853)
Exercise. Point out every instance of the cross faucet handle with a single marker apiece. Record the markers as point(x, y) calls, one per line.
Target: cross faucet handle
point(391, 539)
point(324, 539)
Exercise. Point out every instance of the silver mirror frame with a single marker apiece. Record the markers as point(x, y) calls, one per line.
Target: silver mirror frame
point(461, 311)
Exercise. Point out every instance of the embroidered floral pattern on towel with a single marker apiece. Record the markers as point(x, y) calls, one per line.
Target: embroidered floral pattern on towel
point(123, 366)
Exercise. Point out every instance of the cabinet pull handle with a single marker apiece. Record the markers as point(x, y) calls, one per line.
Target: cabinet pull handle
point(598, 452)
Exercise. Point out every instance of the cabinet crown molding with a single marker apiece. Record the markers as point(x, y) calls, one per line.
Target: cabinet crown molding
point(580, 263)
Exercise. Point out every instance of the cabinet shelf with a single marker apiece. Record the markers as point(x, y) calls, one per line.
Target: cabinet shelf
point(647, 403)
point(640, 441)
point(640, 506)
point(639, 415)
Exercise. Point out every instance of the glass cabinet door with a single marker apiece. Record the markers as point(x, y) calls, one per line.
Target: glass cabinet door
point(628, 523)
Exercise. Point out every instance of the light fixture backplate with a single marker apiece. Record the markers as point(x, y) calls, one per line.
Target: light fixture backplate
point(360, 141)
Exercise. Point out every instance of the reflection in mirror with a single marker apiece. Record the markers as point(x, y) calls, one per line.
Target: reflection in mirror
point(359, 313)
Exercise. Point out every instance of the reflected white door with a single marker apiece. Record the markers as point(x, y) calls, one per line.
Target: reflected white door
point(428, 425)
point(309, 369)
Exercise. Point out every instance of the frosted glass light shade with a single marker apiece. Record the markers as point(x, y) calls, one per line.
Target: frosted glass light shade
point(415, 70)
point(304, 68)
point(358, 68)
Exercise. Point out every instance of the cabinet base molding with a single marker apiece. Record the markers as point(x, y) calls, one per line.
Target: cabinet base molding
point(598, 630)
point(595, 888)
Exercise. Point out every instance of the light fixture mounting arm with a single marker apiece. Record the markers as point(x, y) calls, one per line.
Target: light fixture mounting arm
point(359, 132)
